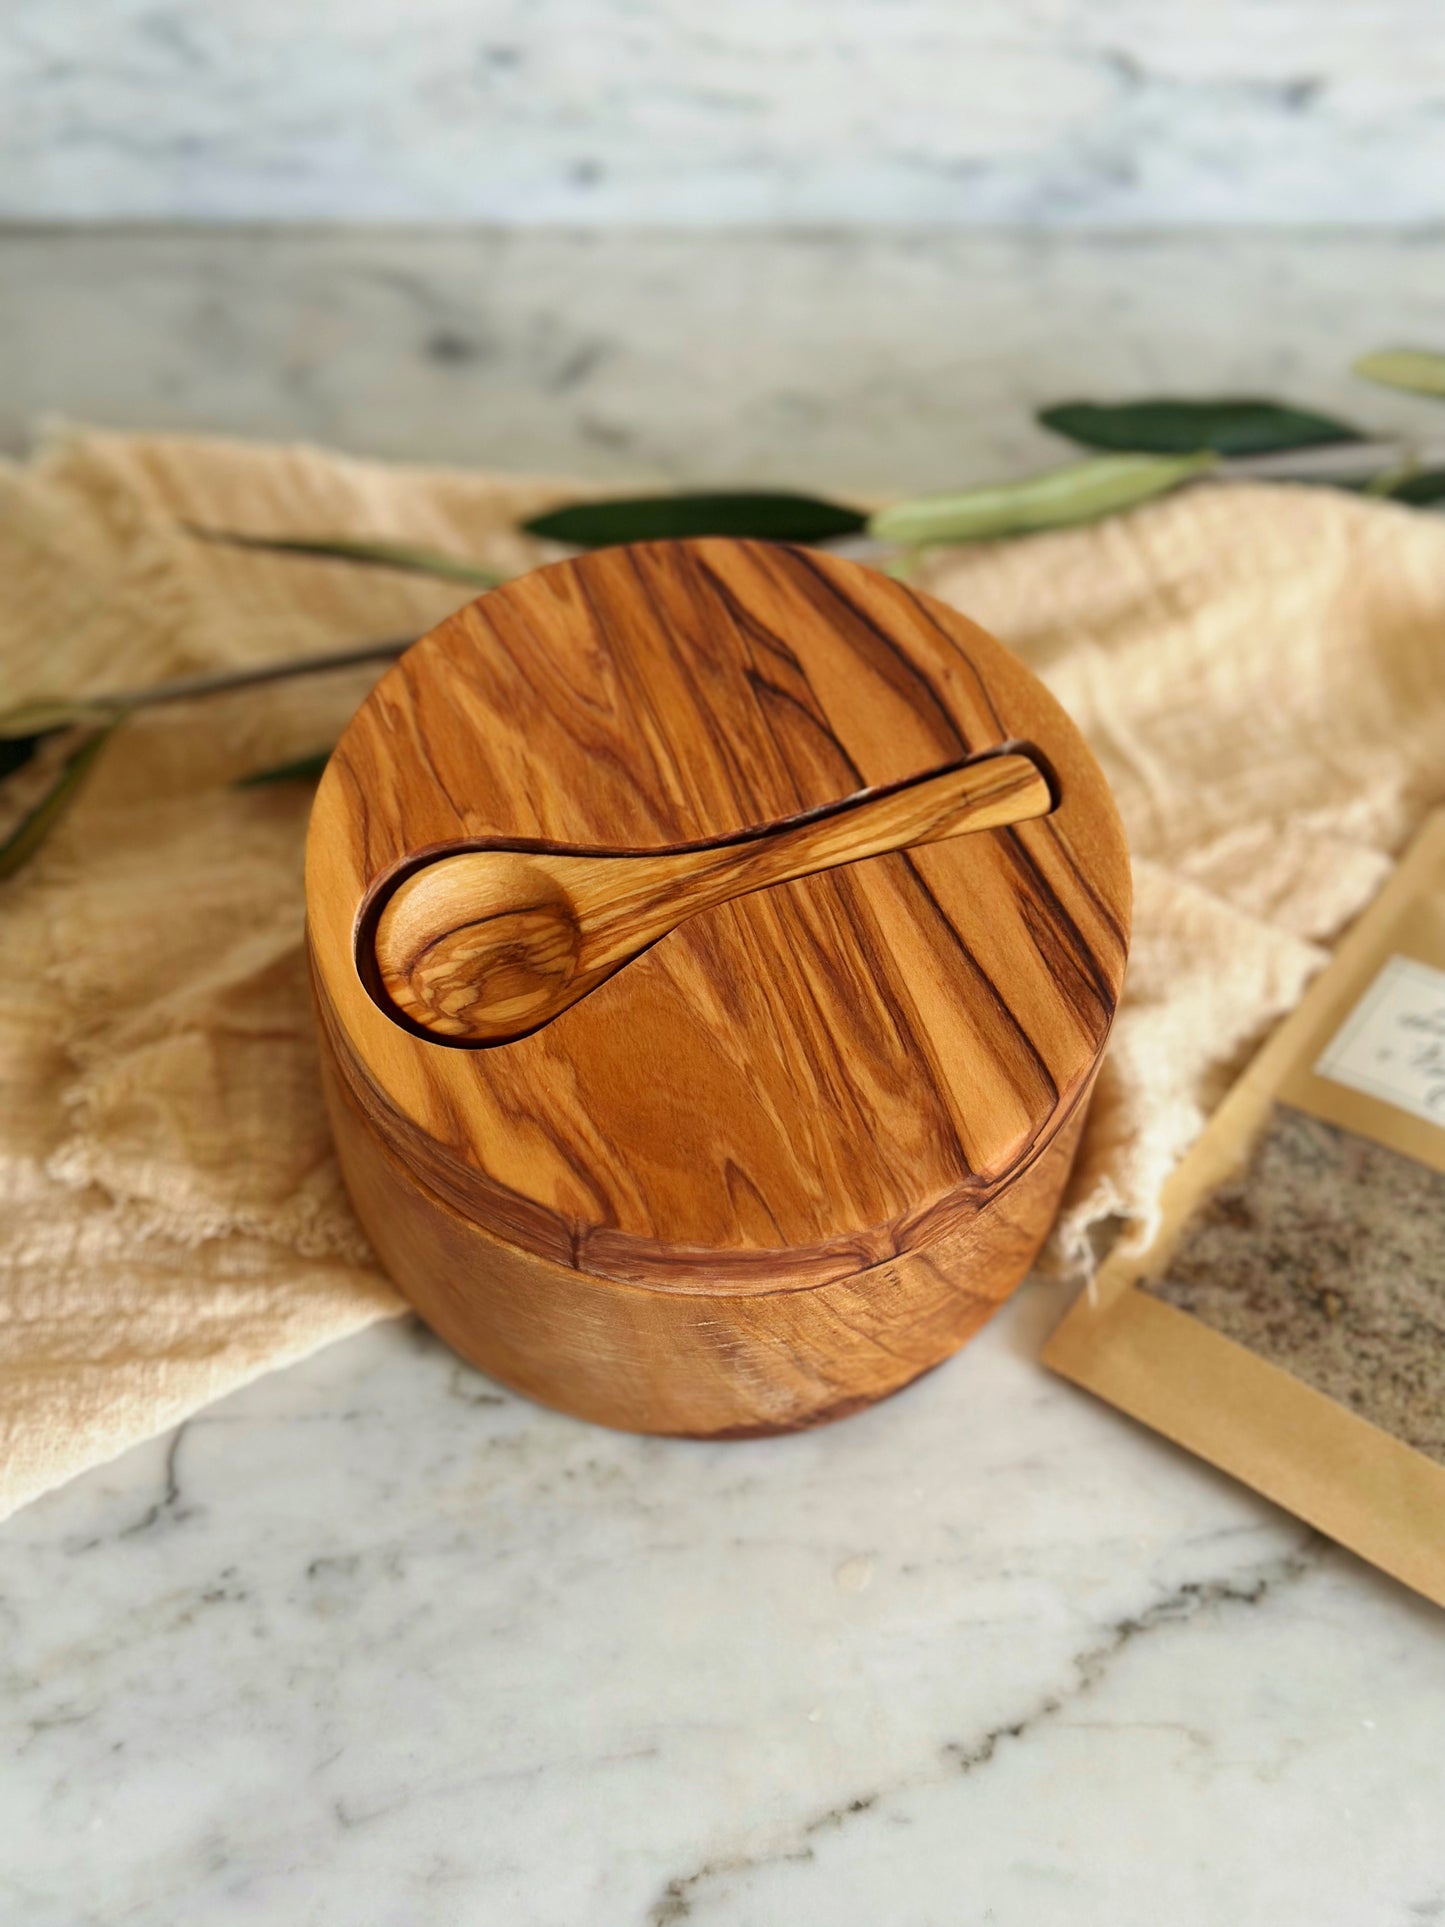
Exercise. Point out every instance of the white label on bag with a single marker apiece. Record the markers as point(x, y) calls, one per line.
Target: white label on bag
point(1392, 1044)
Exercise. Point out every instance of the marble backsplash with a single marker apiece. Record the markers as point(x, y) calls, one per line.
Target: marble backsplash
point(1039, 113)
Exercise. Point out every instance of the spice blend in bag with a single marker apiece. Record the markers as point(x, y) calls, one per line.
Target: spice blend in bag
point(1288, 1321)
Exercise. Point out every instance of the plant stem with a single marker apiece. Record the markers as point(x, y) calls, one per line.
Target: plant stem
point(180, 688)
point(1342, 461)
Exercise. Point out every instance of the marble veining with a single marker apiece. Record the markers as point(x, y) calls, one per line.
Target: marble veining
point(869, 362)
point(658, 112)
point(374, 1640)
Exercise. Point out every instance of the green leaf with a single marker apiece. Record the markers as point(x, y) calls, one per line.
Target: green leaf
point(24, 728)
point(1388, 480)
point(1414, 370)
point(1229, 426)
point(16, 752)
point(768, 516)
point(1421, 489)
point(32, 830)
point(304, 769)
point(377, 555)
point(1082, 492)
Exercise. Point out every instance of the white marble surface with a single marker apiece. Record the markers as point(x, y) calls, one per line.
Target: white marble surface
point(1055, 113)
point(871, 361)
point(373, 1642)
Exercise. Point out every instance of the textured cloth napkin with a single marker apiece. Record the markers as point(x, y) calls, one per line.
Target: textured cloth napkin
point(1260, 670)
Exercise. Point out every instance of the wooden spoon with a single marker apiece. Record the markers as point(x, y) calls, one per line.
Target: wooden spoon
point(484, 946)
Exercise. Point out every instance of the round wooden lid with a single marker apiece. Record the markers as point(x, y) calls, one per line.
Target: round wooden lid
point(789, 1087)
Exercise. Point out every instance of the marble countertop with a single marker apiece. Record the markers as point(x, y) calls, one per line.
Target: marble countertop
point(373, 1641)
point(376, 1642)
point(854, 360)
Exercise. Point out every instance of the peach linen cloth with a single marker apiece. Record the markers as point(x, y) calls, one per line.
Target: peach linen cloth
point(1261, 671)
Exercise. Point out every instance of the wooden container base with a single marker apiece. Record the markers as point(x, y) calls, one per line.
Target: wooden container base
point(758, 1362)
point(713, 947)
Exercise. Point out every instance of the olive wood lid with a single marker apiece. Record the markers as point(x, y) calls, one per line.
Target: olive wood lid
point(789, 1087)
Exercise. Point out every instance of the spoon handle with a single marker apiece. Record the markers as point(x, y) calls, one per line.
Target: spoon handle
point(986, 792)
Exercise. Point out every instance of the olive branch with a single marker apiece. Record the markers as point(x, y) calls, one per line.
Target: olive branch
point(1138, 450)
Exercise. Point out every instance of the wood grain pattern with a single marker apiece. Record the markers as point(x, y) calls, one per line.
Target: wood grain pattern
point(485, 946)
point(863, 1081)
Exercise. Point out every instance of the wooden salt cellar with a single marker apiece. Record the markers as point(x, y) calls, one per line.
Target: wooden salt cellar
point(795, 1150)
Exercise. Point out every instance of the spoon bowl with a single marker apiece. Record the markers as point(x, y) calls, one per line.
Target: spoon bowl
point(483, 952)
